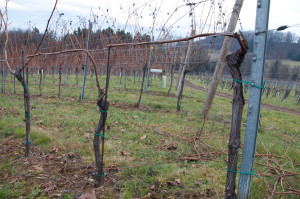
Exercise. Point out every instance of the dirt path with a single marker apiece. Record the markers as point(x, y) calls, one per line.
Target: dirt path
point(228, 96)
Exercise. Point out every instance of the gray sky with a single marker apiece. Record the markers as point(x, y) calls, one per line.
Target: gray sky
point(25, 13)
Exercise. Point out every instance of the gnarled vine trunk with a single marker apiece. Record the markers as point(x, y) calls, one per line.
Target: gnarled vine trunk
point(181, 90)
point(142, 87)
point(234, 61)
point(27, 141)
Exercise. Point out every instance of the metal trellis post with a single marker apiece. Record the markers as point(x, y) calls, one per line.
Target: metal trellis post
point(3, 71)
point(86, 62)
point(66, 48)
point(257, 74)
point(149, 67)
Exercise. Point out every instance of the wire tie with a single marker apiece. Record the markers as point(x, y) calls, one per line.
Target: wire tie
point(102, 111)
point(250, 83)
point(100, 175)
point(27, 142)
point(18, 76)
point(27, 115)
point(251, 172)
point(100, 135)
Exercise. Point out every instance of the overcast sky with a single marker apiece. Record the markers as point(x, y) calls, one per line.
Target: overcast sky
point(35, 13)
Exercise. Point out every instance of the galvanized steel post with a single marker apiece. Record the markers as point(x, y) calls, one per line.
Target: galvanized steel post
point(66, 56)
point(149, 67)
point(257, 75)
point(3, 70)
point(86, 62)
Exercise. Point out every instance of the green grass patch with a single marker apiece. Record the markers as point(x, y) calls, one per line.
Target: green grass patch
point(151, 160)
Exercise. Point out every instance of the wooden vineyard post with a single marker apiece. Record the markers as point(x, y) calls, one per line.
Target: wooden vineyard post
point(234, 61)
point(220, 64)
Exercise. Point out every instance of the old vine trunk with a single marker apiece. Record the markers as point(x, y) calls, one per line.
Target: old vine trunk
point(27, 141)
point(234, 61)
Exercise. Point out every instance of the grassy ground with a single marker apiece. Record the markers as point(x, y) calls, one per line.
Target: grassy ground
point(288, 62)
point(138, 161)
point(289, 102)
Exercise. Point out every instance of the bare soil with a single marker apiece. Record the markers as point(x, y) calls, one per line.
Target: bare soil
point(54, 172)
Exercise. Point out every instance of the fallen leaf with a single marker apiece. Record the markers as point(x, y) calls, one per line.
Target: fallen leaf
point(38, 168)
point(174, 183)
point(91, 194)
point(153, 187)
point(143, 137)
point(197, 182)
point(49, 187)
point(172, 147)
point(40, 122)
point(115, 137)
point(13, 180)
point(171, 183)
point(122, 130)
point(55, 150)
point(51, 156)
point(194, 165)
point(71, 155)
point(108, 127)
point(5, 173)
point(177, 181)
point(124, 153)
point(59, 195)
point(208, 192)
point(87, 135)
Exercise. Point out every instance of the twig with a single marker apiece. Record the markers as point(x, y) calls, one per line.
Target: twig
point(289, 192)
point(46, 30)
point(73, 50)
point(200, 132)
point(291, 163)
point(279, 169)
point(269, 155)
point(156, 131)
point(274, 189)
point(195, 146)
point(298, 191)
